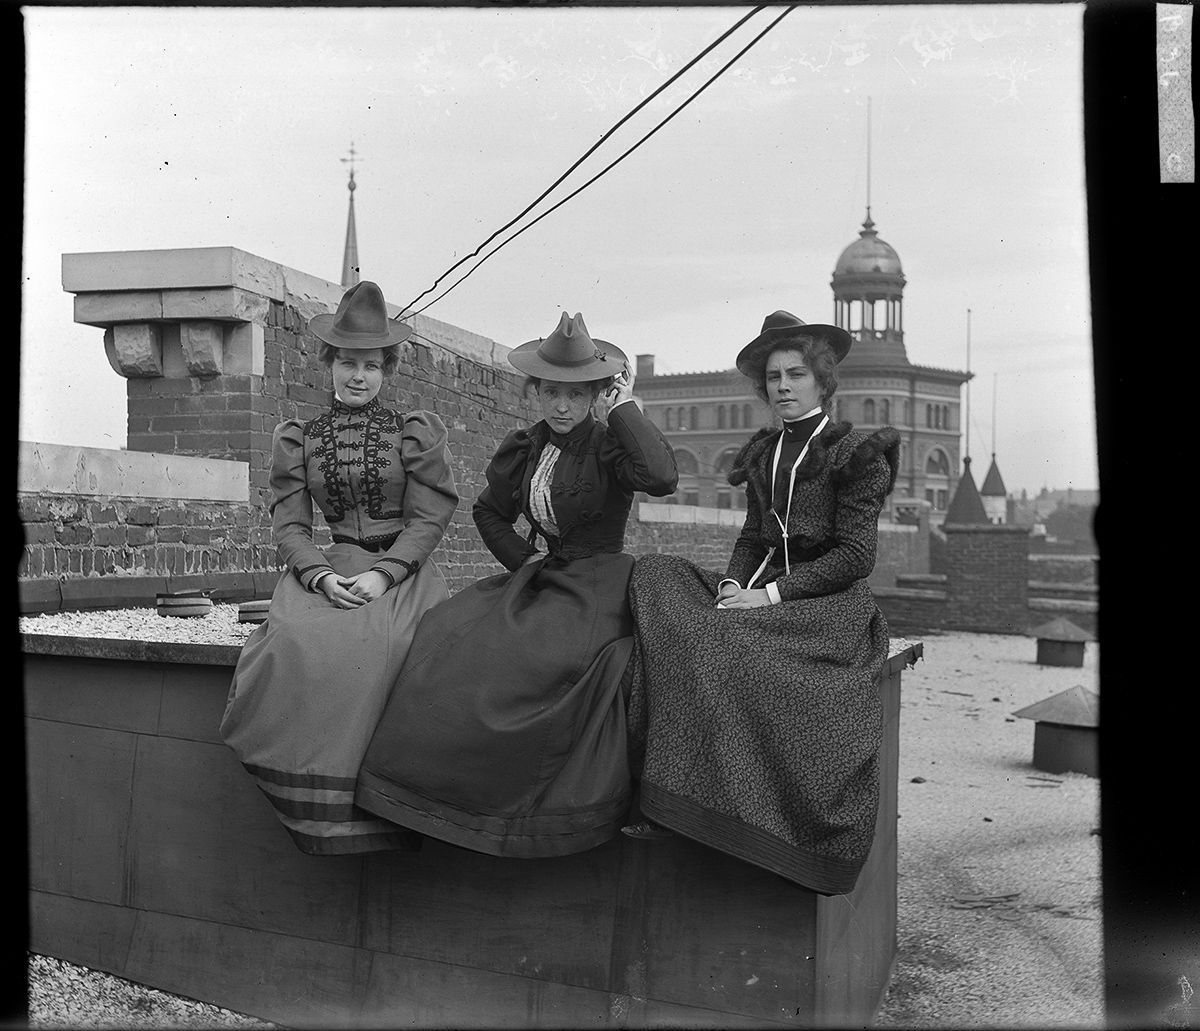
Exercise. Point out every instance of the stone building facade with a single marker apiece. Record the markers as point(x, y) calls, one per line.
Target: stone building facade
point(707, 416)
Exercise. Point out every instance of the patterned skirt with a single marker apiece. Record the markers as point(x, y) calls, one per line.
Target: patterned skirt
point(307, 692)
point(757, 731)
point(506, 729)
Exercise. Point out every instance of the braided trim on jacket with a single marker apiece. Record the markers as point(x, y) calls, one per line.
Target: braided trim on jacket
point(377, 446)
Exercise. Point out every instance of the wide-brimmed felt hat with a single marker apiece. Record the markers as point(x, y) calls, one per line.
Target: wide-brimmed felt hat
point(568, 355)
point(781, 324)
point(361, 320)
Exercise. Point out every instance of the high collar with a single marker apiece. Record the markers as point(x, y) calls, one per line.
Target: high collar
point(801, 429)
point(574, 436)
point(339, 407)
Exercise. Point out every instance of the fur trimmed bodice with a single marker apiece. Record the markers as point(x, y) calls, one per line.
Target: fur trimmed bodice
point(838, 493)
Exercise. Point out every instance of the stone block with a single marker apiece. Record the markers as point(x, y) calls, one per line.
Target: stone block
point(245, 348)
point(203, 347)
point(171, 268)
point(107, 309)
point(134, 349)
point(110, 592)
point(222, 303)
point(175, 364)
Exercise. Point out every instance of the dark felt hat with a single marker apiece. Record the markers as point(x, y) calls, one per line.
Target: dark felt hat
point(568, 355)
point(782, 324)
point(361, 320)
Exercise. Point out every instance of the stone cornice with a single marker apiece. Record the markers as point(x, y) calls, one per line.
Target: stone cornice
point(224, 284)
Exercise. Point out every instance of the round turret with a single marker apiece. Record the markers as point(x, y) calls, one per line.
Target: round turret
point(868, 297)
point(868, 255)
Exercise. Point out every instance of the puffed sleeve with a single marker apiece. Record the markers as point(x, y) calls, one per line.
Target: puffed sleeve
point(637, 453)
point(863, 482)
point(499, 503)
point(292, 505)
point(430, 496)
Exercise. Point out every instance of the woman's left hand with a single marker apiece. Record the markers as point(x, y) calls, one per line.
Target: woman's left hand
point(747, 599)
point(622, 388)
point(369, 585)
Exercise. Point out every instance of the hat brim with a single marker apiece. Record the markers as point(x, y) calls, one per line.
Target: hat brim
point(322, 327)
point(838, 339)
point(526, 359)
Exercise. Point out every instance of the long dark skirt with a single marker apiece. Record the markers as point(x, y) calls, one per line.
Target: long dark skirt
point(757, 731)
point(307, 692)
point(505, 732)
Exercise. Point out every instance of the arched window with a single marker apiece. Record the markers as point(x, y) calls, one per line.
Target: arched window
point(733, 416)
point(681, 416)
point(670, 419)
point(694, 417)
point(686, 462)
point(907, 412)
point(929, 415)
point(720, 417)
point(869, 412)
point(945, 417)
point(937, 464)
point(724, 462)
point(885, 412)
point(747, 416)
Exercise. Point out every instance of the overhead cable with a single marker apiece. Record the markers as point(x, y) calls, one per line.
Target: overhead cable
point(406, 311)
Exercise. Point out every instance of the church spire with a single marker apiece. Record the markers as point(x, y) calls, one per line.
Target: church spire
point(350, 255)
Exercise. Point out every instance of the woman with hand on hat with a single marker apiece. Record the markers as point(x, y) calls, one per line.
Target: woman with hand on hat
point(754, 715)
point(505, 732)
point(311, 681)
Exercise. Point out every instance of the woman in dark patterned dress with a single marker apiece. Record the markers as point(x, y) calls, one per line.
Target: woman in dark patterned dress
point(754, 713)
point(506, 731)
point(311, 681)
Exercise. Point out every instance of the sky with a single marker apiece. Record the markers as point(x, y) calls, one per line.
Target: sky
point(193, 127)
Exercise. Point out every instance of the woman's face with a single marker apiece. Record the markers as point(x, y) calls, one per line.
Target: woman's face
point(357, 375)
point(792, 389)
point(564, 405)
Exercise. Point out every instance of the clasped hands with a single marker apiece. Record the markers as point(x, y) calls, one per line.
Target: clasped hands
point(731, 596)
point(349, 592)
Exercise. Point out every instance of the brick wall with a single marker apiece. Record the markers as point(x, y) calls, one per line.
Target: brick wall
point(987, 577)
point(707, 545)
point(107, 536)
point(1064, 569)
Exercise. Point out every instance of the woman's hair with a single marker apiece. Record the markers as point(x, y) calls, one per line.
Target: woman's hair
point(817, 355)
point(598, 385)
point(391, 356)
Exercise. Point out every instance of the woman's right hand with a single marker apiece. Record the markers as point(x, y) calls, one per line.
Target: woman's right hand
point(338, 595)
point(728, 589)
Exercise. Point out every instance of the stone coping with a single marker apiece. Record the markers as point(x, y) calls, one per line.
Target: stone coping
point(655, 512)
point(49, 594)
point(125, 650)
point(910, 593)
point(901, 652)
point(110, 472)
point(1080, 605)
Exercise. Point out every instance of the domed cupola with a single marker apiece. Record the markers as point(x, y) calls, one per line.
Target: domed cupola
point(868, 291)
